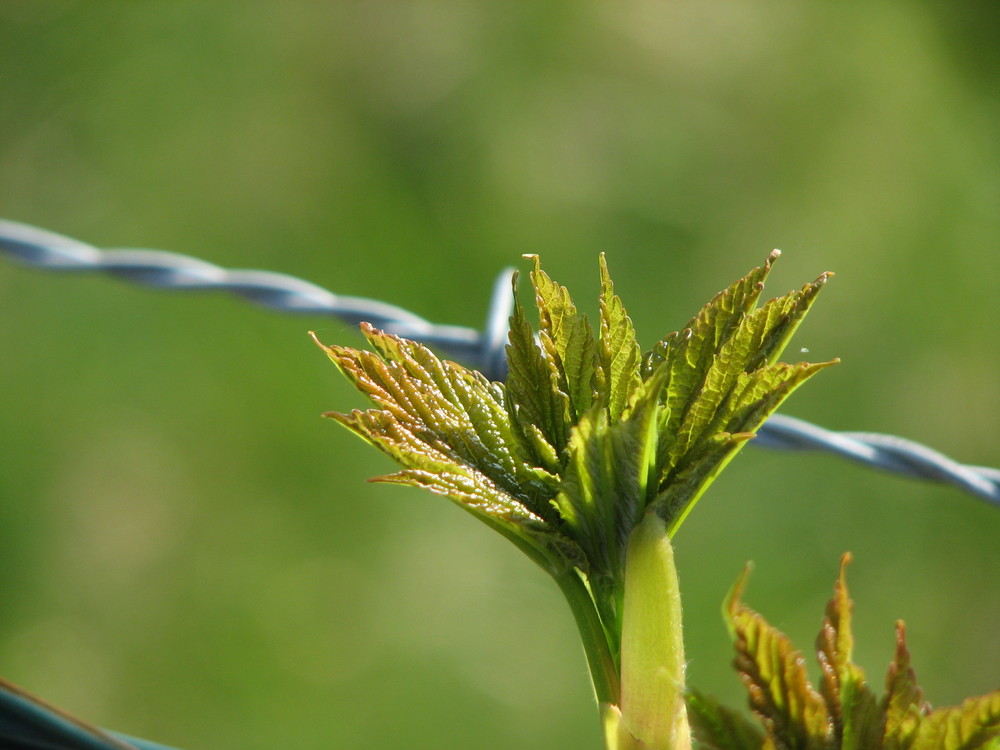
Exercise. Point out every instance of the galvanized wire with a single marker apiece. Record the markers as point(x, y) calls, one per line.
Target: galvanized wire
point(482, 350)
point(55, 252)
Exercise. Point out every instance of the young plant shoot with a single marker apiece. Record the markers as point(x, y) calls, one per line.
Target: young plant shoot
point(589, 458)
point(844, 713)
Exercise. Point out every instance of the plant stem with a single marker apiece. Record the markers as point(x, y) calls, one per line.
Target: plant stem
point(603, 671)
point(652, 654)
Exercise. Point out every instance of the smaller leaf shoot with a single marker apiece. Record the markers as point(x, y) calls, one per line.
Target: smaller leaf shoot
point(844, 713)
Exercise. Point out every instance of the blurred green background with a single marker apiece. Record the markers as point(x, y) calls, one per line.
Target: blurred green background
point(190, 554)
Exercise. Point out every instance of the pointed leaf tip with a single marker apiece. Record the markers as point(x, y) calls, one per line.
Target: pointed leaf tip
point(903, 703)
point(568, 343)
point(315, 338)
point(773, 671)
point(619, 359)
point(845, 560)
point(852, 704)
point(733, 600)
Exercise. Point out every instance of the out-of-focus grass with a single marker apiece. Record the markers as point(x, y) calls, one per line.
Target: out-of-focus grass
point(190, 554)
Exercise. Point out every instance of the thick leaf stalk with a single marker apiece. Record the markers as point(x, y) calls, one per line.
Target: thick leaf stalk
point(652, 696)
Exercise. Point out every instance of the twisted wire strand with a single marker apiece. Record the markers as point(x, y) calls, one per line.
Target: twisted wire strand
point(482, 350)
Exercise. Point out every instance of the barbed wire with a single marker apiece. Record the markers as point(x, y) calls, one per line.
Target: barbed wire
point(483, 350)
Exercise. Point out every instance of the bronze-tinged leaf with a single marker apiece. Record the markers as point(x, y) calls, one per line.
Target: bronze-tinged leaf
point(903, 704)
point(471, 490)
point(845, 714)
point(774, 674)
point(973, 725)
point(619, 359)
point(429, 464)
point(432, 466)
point(428, 404)
point(857, 720)
point(717, 727)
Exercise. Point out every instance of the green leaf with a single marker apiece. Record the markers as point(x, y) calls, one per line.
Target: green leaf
point(717, 426)
point(857, 721)
point(774, 323)
point(910, 724)
point(706, 332)
point(606, 487)
point(685, 488)
point(722, 383)
point(794, 714)
point(973, 725)
point(599, 498)
point(617, 372)
point(535, 403)
point(903, 704)
point(724, 395)
point(719, 728)
point(567, 341)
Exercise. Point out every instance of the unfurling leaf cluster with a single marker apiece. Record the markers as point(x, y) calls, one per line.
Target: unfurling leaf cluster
point(589, 458)
point(844, 713)
point(588, 433)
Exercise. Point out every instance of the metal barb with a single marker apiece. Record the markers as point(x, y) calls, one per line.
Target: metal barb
point(484, 351)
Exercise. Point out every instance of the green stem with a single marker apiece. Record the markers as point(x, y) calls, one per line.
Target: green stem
point(603, 671)
point(600, 659)
point(652, 655)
